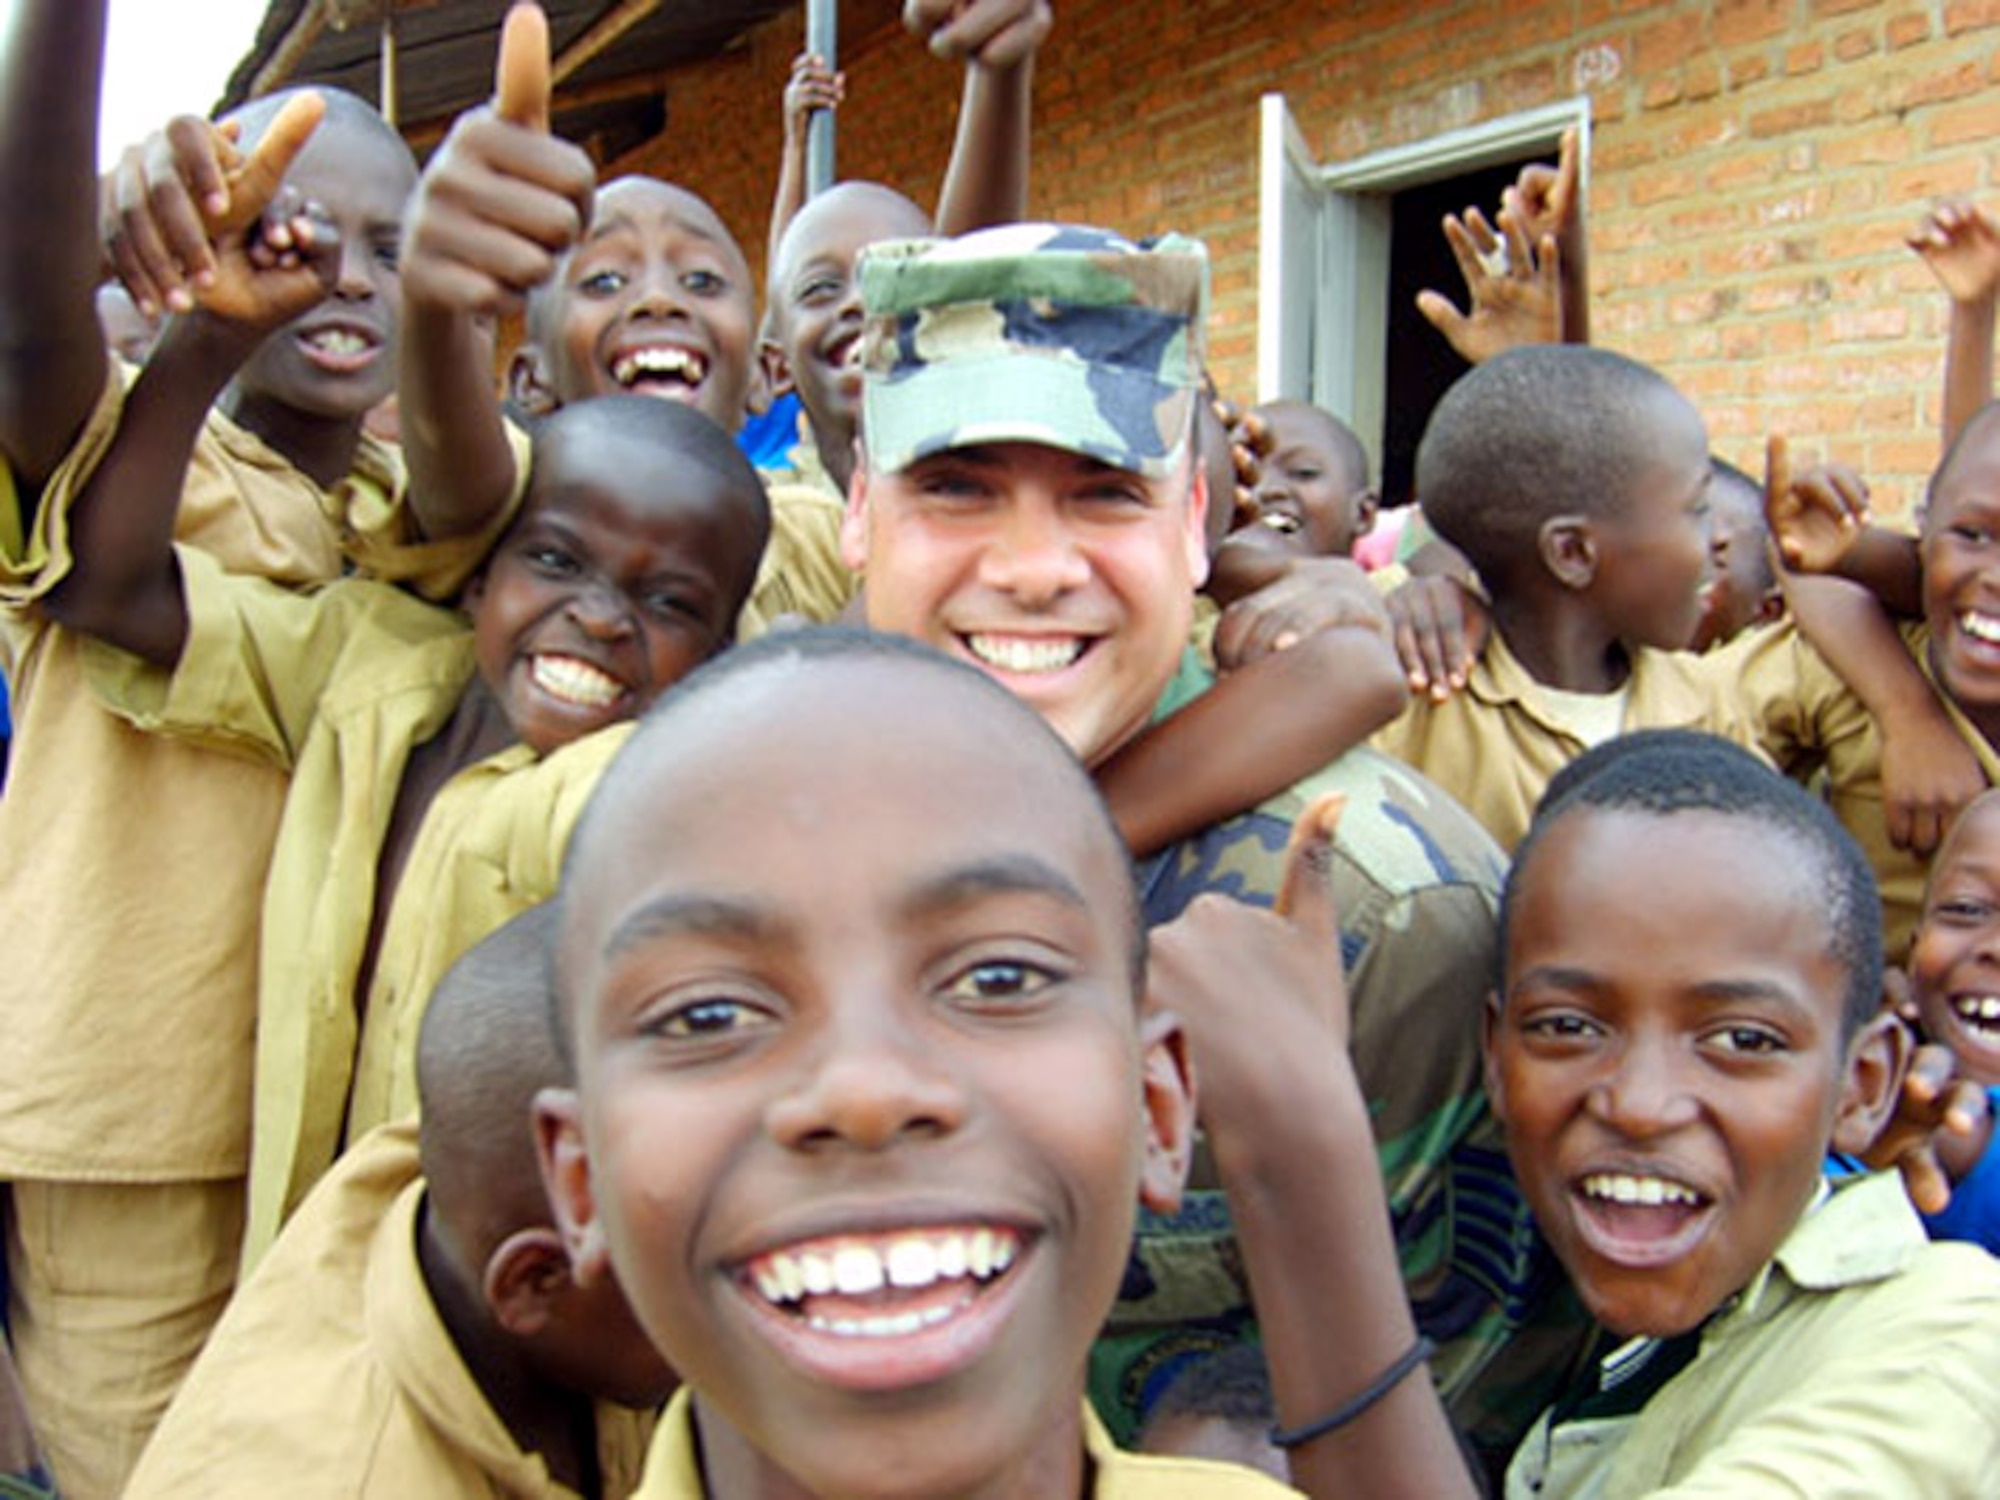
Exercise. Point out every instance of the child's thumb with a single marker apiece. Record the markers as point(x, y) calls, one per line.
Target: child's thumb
point(1305, 895)
point(521, 77)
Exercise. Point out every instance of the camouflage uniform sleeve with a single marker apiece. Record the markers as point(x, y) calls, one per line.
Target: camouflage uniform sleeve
point(1417, 881)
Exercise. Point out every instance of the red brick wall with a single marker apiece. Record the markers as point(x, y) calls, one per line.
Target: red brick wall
point(1756, 165)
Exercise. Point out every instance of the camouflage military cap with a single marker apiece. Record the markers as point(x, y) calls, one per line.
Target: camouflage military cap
point(1037, 333)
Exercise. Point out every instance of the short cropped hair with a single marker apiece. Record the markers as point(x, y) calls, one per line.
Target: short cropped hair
point(1662, 772)
point(1231, 1384)
point(1974, 424)
point(1537, 432)
point(657, 726)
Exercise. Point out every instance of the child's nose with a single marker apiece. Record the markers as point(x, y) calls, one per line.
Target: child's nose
point(1646, 1093)
point(868, 1086)
point(601, 611)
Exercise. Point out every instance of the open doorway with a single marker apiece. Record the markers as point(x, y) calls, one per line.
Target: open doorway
point(1418, 364)
point(1343, 249)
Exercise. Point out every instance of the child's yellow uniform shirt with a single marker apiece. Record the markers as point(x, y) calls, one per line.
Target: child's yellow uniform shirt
point(333, 1375)
point(673, 1471)
point(801, 572)
point(338, 688)
point(1495, 744)
point(1864, 1360)
point(132, 870)
point(1807, 719)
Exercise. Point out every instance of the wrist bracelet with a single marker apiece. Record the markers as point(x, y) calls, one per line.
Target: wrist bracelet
point(1354, 1406)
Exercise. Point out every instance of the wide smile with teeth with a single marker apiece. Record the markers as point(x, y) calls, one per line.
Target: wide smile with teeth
point(1979, 1014)
point(883, 1286)
point(1980, 627)
point(659, 362)
point(1648, 1192)
point(342, 343)
point(1282, 522)
point(1028, 655)
point(575, 681)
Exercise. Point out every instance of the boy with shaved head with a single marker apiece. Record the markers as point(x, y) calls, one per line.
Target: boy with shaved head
point(416, 1330)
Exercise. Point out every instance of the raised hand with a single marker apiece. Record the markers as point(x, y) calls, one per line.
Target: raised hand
point(1814, 516)
point(1938, 1113)
point(1513, 284)
point(1961, 245)
point(502, 199)
point(813, 86)
point(173, 199)
point(1255, 988)
point(995, 34)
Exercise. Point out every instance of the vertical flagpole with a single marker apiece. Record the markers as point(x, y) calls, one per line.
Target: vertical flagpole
point(822, 37)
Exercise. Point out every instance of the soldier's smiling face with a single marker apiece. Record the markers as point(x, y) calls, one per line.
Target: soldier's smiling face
point(1068, 580)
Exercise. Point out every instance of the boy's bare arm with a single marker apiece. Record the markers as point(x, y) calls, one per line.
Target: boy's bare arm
point(1311, 667)
point(496, 207)
point(986, 182)
point(1928, 771)
point(52, 355)
point(124, 584)
point(1961, 245)
point(812, 87)
point(1262, 1000)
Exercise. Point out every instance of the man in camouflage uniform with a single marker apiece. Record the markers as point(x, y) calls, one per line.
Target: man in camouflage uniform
point(1027, 499)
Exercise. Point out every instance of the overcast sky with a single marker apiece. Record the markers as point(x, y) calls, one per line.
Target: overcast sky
point(169, 57)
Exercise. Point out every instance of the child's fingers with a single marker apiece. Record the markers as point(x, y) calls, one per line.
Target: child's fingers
point(149, 268)
point(1777, 479)
point(1305, 894)
point(521, 76)
point(263, 173)
point(200, 159)
point(1965, 1107)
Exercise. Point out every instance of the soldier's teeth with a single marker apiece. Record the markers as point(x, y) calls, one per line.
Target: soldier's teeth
point(882, 1325)
point(1619, 1187)
point(1025, 654)
point(575, 681)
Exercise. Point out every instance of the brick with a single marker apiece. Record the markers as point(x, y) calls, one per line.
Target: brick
point(1951, 83)
point(1804, 114)
point(1807, 57)
point(1667, 43)
point(1961, 16)
point(1974, 123)
point(1852, 46)
point(1908, 28)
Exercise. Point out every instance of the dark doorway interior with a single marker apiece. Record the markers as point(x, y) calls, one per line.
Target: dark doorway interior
point(1420, 363)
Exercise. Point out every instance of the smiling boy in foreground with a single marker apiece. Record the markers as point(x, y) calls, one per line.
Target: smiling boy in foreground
point(1689, 1018)
point(865, 1152)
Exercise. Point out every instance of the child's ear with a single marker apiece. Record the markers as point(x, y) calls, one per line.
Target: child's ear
point(1167, 1084)
point(1367, 506)
point(774, 370)
point(1877, 1058)
point(1489, 1028)
point(1568, 546)
point(565, 1164)
point(528, 384)
point(526, 1277)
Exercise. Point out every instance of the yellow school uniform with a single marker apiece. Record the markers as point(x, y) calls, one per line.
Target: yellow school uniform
point(333, 1375)
point(1495, 744)
point(673, 1469)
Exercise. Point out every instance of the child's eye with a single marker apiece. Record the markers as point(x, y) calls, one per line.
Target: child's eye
point(711, 1018)
point(674, 605)
point(818, 290)
point(551, 559)
point(1972, 536)
point(704, 283)
point(1962, 911)
point(1302, 476)
point(1747, 1040)
point(998, 981)
point(602, 283)
point(1559, 1026)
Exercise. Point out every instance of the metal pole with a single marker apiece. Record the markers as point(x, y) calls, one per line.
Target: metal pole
point(823, 37)
point(391, 94)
